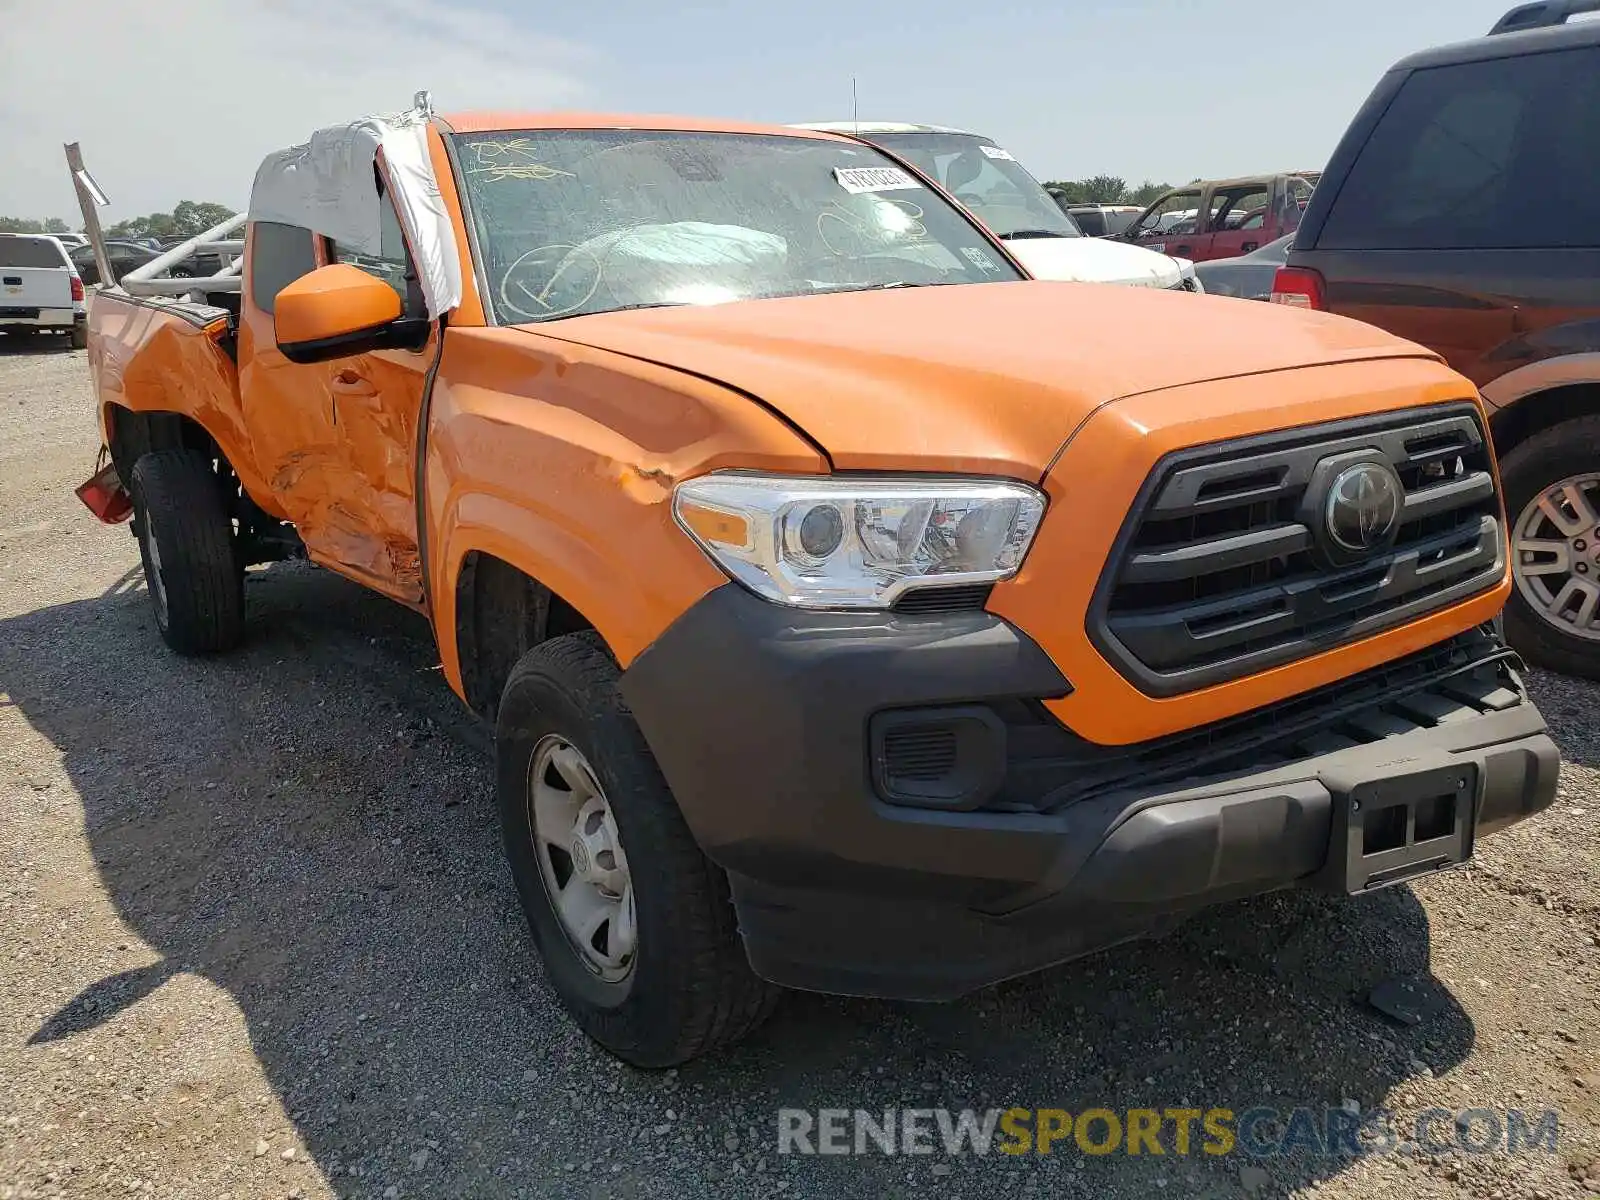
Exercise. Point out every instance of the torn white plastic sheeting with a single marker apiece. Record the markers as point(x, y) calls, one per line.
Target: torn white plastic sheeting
point(327, 185)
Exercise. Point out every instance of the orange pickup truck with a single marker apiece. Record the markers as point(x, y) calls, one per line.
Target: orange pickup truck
point(853, 613)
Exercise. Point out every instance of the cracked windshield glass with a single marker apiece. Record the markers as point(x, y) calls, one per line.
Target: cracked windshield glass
point(571, 222)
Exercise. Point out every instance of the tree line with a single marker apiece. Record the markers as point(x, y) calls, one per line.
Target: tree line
point(184, 221)
point(27, 225)
point(1107, 189)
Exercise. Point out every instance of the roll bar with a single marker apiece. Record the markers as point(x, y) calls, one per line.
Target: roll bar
point(150, 279)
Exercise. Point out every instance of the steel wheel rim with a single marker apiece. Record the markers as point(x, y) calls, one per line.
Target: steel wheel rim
point(153, 580)
point(581, 861)
point(1555, 554)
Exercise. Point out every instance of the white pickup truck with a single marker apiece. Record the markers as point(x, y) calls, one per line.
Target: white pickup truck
point(40, 290)
point(996, 189)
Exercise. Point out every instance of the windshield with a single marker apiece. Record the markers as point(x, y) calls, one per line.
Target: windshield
point(571, 222)
point(987, 179)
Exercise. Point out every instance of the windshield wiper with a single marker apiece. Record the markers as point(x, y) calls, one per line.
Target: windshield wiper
point(595, 312)
point(877, 287)
point(1034, 233)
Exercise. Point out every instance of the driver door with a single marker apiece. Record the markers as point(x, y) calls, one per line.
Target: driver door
point(375, 400)
point(1239, 219)
point(1171, 225)
point(336, 440)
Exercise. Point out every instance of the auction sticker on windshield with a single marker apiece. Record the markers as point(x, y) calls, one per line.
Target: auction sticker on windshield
point(996, 152)
point(856, 180)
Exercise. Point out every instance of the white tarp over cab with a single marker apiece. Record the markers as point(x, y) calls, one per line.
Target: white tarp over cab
point(328, 186)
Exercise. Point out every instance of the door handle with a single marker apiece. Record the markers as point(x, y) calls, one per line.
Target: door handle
point(1249, 246)
point(349, 383)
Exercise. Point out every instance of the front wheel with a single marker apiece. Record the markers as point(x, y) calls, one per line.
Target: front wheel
point(1552, 484)
point(186, 541)
point(633, 922)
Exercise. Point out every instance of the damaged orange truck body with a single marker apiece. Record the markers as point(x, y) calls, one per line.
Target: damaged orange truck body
point(854, 613)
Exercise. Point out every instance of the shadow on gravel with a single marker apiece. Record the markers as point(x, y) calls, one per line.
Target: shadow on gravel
point(1568, 703)
point(309, 824)
point(19, 344)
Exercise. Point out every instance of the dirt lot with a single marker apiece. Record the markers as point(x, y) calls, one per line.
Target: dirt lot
point(256, 940)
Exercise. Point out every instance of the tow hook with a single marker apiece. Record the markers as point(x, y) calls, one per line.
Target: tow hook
point(104, 496)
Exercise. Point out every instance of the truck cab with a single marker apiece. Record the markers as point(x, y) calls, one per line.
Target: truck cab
point(1221, 218)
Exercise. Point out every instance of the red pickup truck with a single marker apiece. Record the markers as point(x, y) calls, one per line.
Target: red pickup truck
point(1222, 218)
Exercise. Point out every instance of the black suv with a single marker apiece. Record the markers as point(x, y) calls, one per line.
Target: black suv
point(1462, 211)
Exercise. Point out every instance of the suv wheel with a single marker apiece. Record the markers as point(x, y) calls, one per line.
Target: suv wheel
point(1552, 484)
point(186, 541)
point(634, 923)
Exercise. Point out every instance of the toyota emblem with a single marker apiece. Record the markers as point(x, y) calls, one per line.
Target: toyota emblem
point(1364, 506)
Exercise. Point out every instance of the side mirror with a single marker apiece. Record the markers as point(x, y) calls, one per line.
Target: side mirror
point(337, 311)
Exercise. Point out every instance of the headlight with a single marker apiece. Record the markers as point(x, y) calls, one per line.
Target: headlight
point(857, 542)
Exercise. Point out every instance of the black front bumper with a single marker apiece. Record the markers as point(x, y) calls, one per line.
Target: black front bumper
point(899, 817)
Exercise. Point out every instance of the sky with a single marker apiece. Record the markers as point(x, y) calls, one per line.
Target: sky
point(181, 99)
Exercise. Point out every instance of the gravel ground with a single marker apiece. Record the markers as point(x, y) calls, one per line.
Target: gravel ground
point(257, 940)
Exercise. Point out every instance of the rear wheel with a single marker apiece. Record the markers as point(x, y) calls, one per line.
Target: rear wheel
point(634, 923)
point(1552, 488)
point(80, 336)
point(186, 541)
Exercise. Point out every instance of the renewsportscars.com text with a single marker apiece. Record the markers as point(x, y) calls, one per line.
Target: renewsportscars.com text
point(1259, 1132)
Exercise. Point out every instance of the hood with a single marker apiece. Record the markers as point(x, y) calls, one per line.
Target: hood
point(988, 378)
point(1094, 260)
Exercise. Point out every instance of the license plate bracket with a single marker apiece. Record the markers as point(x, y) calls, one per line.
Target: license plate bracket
point(1391, 830)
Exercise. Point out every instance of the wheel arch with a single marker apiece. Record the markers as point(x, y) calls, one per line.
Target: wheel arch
point(1537, 397)
point(623, 581)
point(501, 611)
point(131, 433)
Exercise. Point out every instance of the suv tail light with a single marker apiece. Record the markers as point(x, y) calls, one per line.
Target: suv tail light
point(77, 288)
point(1299, 287)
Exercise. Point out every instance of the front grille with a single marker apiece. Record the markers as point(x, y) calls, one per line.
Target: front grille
point(1226, 566)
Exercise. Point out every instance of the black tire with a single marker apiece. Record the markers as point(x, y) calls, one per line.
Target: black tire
point(1560, 452)
point(197, 590)
point(690, 989)
point(80, 336)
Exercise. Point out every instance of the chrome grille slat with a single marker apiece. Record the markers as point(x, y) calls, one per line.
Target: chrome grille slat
point(1223, 569)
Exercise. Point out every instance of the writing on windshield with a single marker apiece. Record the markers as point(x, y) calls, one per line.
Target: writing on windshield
point(574, 222)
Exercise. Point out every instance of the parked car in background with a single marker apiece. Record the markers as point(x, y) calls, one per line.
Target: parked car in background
point(204, 262)
point(69, 240)
point(995, 188)
point(125, 256)
point(1248, 276)
point(1222, 218)
point(40, 291)
point(1461, 211)
point(1102, 220)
